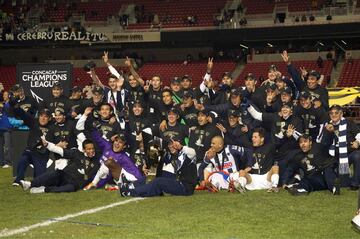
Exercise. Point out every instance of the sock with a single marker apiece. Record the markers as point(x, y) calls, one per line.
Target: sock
point(242, 181)
point(275, 180)
point(101, 174)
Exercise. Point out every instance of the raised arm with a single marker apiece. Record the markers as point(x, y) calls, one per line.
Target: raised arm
point(133, 71)
point(113, 71)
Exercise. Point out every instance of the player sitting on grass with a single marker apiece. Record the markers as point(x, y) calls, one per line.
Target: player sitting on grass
point(181, 182)
point(221, 165)
point(82, 166)
point(263, 174)
point(114, 153)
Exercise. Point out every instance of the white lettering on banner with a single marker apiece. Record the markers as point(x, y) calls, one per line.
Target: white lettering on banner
point(56, 36)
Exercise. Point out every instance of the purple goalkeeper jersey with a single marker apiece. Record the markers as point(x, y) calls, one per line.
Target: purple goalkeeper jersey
point(120, 158)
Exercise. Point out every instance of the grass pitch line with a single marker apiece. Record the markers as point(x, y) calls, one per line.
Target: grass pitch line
point(7, 233)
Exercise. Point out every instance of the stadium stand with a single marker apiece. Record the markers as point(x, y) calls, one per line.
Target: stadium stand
point(350, 74)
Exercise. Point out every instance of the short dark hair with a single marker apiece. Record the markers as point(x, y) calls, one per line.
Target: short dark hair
point(260, 131)
point(87, 141)
point(166, 90)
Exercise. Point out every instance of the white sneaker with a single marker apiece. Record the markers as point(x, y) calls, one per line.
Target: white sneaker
point(25, 184)
point(356, 222)
point(6, 166)
point(38, 189)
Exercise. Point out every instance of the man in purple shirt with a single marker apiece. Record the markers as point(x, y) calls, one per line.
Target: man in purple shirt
point(113, 153)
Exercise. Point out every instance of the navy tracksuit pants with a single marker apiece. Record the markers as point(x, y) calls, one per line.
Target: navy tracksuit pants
point(159, 186)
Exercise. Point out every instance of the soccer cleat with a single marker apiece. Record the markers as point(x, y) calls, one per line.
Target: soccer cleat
point(356, 222)
point(6, 166)
point(273, 190)
point(124, 190)
point(241, 189)
point(16, 183)
point(109, 187)
point(336, 190)
point(89, 186)
point(211, 187)
point(298, 191)
point(37, 190)
point(25, 184)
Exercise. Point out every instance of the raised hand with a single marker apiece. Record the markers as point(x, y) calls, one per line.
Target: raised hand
point(290, 130)
point(303, 71)
point(285, 57)
point(355, 144)
point(210, 64)
point(221, 127)
point(88, 110)
point(105, 57)
point(128, 62)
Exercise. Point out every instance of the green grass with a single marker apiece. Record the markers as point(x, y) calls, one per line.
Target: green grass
point(204, 215)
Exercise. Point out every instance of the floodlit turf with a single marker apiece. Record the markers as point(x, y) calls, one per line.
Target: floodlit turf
point(204, 215)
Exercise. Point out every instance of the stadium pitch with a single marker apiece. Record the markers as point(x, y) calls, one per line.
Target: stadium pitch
point(101, 214)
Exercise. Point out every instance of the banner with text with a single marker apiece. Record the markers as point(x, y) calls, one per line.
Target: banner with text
point(53, 36)
point(38, 79)
point(134, 37)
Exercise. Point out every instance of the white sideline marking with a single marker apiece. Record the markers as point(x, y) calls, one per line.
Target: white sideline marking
point(7, 233)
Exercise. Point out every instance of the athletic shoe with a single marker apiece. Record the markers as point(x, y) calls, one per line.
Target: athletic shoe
point(109, 187)
point(38, 189)
point(298, 191)
point(6, 166)
point(239, 188)
point(16, 183)
point(124, 190)
point(273, 190)
point(336, 190)
point(25, 184)
point(356, 222)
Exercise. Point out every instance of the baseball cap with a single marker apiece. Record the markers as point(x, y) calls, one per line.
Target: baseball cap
point(315, 74)
point(57, 85)
point(304, 94)
point(234, 113)
point(236, 92)
point(204, 112)
point(76, 89)
point(186, 77)
point(188, 94)
point(45, 111)
point(271, 86)
point(98, 90)
point(15, 87)
point(175, 80)
point(173, 110)
point(286, 90)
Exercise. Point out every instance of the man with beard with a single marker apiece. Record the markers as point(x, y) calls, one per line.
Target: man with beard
point(28, 104)
point(235, 132)
point(310, 83)
point(181, 182)
point(318, 168)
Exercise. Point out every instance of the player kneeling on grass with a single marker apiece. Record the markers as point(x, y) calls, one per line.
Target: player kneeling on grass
point(263, 174)
point(318, 167)
point(82, 166)
point(113, 158)
point(221, 165)
point(181, 183)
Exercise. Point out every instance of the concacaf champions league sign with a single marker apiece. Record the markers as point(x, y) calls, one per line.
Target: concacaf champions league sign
point(38, 79)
